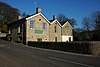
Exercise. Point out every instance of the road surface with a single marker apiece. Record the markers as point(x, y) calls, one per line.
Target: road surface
point(19, 55)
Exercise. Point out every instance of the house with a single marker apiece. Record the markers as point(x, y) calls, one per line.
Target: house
point(67, 33)
point(38, 28)
point(55, 30)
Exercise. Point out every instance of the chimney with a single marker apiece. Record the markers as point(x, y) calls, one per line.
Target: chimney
point(38, 10)
point(54, 17)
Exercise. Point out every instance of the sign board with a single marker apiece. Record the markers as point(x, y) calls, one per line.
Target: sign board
point(39, 31)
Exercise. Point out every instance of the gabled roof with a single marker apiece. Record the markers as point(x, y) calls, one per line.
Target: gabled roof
point(37, 15)
point(53, 21)
point(21, 20)
point(66, 23)
point(29, 17)
point(62, 23)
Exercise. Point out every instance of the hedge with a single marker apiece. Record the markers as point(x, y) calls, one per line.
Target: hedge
point(75, 47)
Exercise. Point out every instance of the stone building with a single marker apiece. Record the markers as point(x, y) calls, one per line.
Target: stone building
point(38, 28)
point(67, 34)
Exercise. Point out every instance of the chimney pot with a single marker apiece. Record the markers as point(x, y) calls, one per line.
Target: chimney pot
point(54, 17)
point(38, 10)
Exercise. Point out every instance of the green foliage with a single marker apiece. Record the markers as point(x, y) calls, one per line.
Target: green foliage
point(4, 28)
point(8, 14)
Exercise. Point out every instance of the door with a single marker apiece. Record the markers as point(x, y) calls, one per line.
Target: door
point(39, 40)
point(69, 39)
point(55, 39)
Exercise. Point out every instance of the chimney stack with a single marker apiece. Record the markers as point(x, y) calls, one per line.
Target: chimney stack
point(54, 17)
point(38, 10)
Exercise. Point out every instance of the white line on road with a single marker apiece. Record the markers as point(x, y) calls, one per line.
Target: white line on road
point(54, 58)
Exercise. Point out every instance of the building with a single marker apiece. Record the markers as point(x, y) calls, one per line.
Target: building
point(38, 28)
point(67, 34)
point(55, 30)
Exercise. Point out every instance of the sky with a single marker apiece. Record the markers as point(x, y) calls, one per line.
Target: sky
point(76, 9)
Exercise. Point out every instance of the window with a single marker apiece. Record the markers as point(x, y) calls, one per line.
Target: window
point(31, 24)
point(55, 29)
point(10, 30)
point(19, 28)
point(44, 26)
point(39, 19)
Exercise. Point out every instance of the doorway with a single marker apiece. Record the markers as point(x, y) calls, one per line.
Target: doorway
point(39, 40)
point(69, 39)
point(55, 39)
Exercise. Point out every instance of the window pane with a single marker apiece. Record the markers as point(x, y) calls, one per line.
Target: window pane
point(55, 29)
point(31, 24)
point(44, 25)
point(19, 28)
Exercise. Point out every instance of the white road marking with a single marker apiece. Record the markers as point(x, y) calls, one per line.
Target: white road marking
point(54, 58)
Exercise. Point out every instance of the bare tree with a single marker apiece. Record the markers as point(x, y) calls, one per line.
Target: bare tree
point(87, 27)
point(24, 14)
point(87, 24)
point(62, 18)
point(72, 22)
point(91, 27)
point(96, 19)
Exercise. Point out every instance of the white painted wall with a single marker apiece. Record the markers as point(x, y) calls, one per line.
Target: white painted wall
point(66, 38)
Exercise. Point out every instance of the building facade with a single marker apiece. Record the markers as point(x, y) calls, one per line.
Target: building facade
point(38, 28)
point(67, 34)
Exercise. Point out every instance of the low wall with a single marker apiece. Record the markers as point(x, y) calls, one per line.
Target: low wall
point(95, 48)
point(3, 35)
point(82, 47)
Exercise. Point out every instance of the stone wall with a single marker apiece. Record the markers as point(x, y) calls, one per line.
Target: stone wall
point(38, 26)
point(67, 29)
point(95, 47)
point(54, 33)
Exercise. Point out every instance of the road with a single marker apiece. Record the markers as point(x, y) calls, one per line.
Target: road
point(19, 55)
